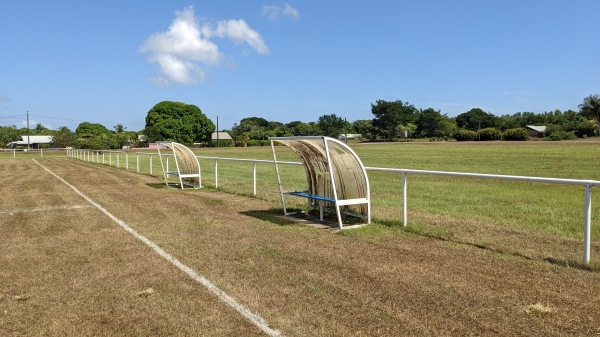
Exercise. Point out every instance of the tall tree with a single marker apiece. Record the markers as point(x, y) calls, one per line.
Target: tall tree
point(332, 125)
point(389, 116)
point(87, 129)
point(63, 137)
point(179, 122)
point(476, 119)
point(590, 108)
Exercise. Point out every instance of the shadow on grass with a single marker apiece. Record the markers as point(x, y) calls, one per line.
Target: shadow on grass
point(275, 216)
point(447, 235)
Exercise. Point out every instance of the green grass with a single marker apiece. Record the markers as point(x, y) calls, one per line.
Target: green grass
point(548, 208)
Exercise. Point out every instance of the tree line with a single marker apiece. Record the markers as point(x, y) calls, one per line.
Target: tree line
point(393, 121)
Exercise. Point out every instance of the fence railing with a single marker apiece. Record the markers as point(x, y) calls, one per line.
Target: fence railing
point(40, 152)
point(93, 156)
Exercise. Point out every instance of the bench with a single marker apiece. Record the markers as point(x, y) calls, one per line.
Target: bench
point(319, 198)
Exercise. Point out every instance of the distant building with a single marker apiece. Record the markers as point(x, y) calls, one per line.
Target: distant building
point(349, 136)
point(220, 136)
point(33, 141)
point(535, 130)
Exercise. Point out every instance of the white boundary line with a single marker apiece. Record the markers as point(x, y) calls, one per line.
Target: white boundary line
point(18, 210)
point(254, 318)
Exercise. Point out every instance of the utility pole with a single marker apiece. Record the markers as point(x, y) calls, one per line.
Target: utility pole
point(27, 129)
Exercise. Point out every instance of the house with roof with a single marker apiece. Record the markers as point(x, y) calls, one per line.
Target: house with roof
point(535, 130)
point(34, 142)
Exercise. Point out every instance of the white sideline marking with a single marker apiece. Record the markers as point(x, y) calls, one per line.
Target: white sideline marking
point(254, 318)
point(19, 210)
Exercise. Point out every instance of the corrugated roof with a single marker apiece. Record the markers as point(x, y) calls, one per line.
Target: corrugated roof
point(36, 139)
point(538, 128)
point(222, 136)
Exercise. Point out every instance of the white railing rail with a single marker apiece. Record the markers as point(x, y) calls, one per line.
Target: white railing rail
point(587, 184)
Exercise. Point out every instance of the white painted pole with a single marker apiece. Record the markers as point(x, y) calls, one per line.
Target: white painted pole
point(127, 161)
point(216, 173)
point(404, 200)
point(109, 159)
point(137, 162)
point(118, 162)
point(587, 227)
point(150, 163)
point(254, 178)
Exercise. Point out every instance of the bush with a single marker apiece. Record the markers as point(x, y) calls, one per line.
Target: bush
point(490, 134)
point(561, 135)
point(516, 134)
point(465, 135)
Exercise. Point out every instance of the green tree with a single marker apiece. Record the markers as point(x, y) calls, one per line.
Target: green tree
point(298, 128)
point(179, 122)
point(476, 119)
point(119, 128)
point(9, 134)
point(364, 127)
point(431, 123)
point(590, 108)
point(332, 125)
point(63, 137)
point(390, 115)
point(40, 129)
point(87, 129)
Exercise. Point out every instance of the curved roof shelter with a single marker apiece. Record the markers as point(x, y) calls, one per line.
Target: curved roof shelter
point(335, 176)
point(183, 161)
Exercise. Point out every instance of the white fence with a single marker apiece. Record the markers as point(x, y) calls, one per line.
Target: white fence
point(94, 156)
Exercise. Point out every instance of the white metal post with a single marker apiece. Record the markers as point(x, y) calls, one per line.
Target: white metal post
point(254, 178)
point(102, 158)
point(118, 162)
point(137, 162)
point(150, 163)
point(216, 173)
point(587, 216)
point(110, 159)
point(127, 161)
point(404, 199)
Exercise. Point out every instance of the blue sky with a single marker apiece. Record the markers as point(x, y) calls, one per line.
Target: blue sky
point(109, 61)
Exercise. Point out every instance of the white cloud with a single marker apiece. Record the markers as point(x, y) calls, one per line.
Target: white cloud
point(274, 12)
point(240, 32)
point(291, 11)
point(187, 45)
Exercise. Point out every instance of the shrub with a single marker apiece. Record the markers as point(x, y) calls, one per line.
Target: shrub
point(490, 134)
point(561, 135)
point(516, 134)
point(465, 135)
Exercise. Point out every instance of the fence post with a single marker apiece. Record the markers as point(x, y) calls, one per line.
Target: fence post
point(118, 162)
point(150, 163)
point(42, 152)
point(127, 161)
point(404, 200)
point(216, 174)
point(137, 162)
point(167, 156)
point(254, 178)
point(587, 223)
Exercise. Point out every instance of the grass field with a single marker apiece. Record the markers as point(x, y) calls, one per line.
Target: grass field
point(479, 257)
point(535, 220)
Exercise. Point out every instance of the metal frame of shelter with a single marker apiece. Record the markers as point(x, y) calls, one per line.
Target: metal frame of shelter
point(335, 175)
point(186, 162)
